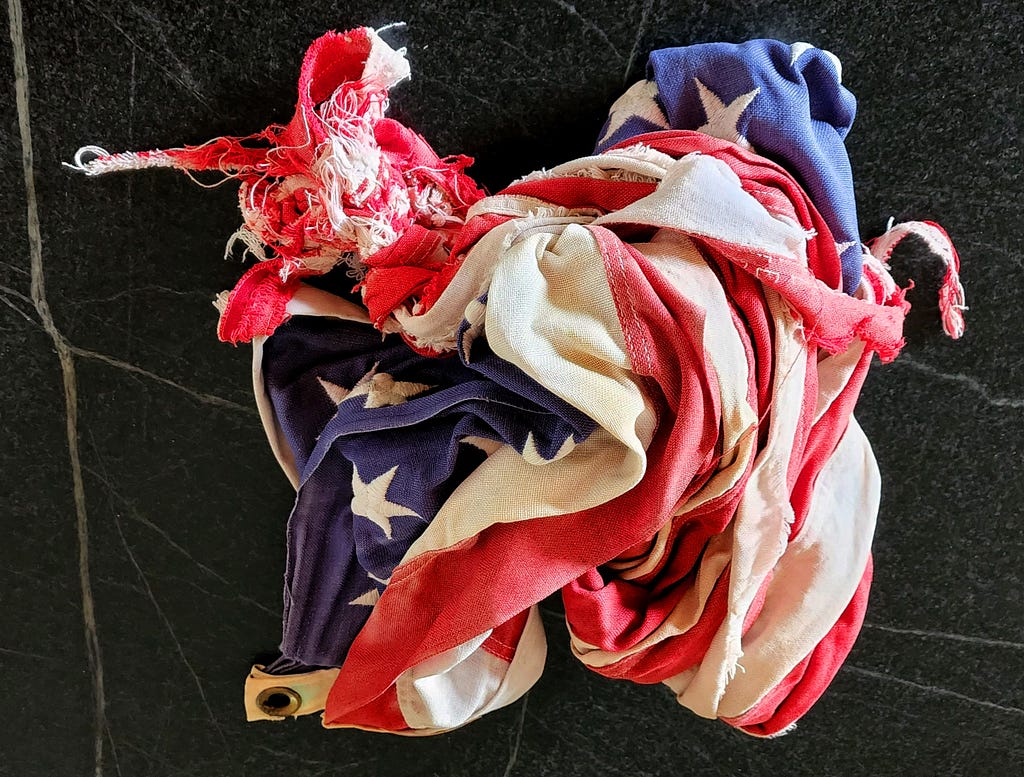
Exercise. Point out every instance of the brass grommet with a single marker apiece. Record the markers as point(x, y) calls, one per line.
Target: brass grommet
point(278, 702)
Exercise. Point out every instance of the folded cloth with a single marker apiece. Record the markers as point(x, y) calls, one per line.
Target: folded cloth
point(629, 379)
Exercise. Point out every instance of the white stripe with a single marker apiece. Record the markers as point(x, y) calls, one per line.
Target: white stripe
point(762, 519)
point(701, 195)
point(681, 263)
point(550, 312)
point(465, 682)
point(816, 578)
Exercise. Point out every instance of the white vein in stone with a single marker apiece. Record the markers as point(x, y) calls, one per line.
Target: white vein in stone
point(69, 378)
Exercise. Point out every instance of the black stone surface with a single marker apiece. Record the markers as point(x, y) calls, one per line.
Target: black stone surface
point(185, 504)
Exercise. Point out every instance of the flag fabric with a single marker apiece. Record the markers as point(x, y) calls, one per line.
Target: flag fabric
point(629, 380)
point(787, 101)
point(366, 491)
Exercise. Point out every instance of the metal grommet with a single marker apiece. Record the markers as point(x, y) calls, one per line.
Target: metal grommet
point(278, 702)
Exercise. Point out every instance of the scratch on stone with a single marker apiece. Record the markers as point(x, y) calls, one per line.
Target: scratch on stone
point(947, 635)
point(22, 573)
point(937, 691)
point(973, 384)
point(26, 654)
point(69, 378)
point(6, 292)
point(203, 397)
point(131, 99)
point(121, 584)
point(151, 755)
point(641, 30)
point(140, 290)
point(458, 89)
point(511, 47)
point(513, 755)
point(206, 399)
point(570, 9)
point(158, 25)
point(705, 756)
point(176, 77)
point(136, 516)
point(17, 295)
point(130, 180)
point(170, 629)
point(153, 344)
point(170, 541)
point(258, 605)
point(180, 581)
point(113, 752)
point(586, 749)
point(233, 597)
point(335, 767)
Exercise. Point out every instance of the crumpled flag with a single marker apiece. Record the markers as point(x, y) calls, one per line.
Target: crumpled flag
point(629, 379)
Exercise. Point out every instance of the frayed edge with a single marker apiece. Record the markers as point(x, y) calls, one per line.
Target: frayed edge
point(252, 245)
point(103, 162)
point(220, 302)
point(952, 299)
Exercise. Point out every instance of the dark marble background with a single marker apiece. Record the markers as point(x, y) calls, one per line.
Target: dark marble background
point(181, 507)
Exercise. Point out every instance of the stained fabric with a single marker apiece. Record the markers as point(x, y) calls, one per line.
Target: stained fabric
point(629, 379)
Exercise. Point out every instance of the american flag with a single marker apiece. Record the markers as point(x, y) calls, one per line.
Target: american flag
point(629, 379)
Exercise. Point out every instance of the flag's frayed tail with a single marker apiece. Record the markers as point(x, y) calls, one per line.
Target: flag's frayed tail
point(336, 185)
point(93, 160)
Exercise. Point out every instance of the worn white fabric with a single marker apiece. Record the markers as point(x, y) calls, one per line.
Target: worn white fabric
point(466, 682)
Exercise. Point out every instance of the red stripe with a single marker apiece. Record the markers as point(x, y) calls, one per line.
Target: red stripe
point(258, 303)
point(504, 640)
point(576, 192)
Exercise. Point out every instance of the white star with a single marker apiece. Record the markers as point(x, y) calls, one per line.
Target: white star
point(840, 247)
point(533, 456)
point(639, 101)
point(370, 500)
point(380, 389)
point(721, 119)
point(476, 311)
point(333, 390)
point(368, 599)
